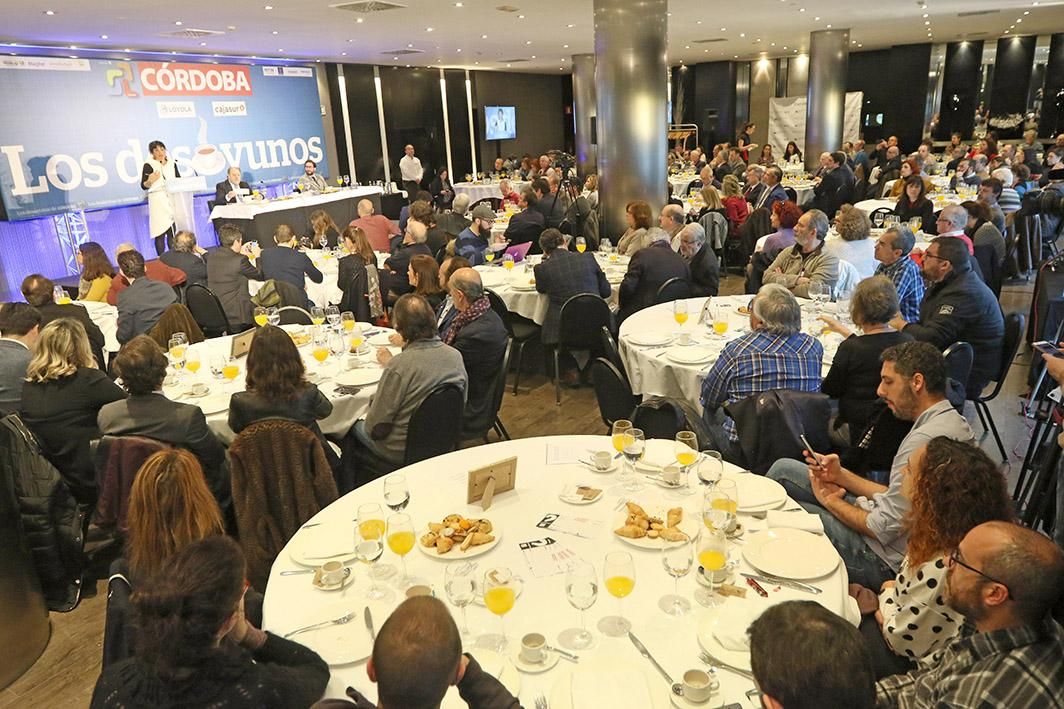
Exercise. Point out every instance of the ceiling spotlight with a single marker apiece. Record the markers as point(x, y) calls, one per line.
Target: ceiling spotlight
point(73, 47)
point(927, 22)
point(483, 36)
point(801, 9)
point(533, 56)
point(742, 34)
point(829, 27)
point(410, 46)
point(103, 36)
point(570, 26)
point(429, 29)
point(1026, 12)
point(860, 45)
point(528, 42)
point(520, 17)
point(203, 44)
point(723, 29)
point(816, 19)
point(49, 12)
point(178, 23)
point(275, 31)
point(925, 15)
point(359, 20)
point(687, 46)
point(459, 50)
point(280, 51)
point(268, 7)
point(343, 54)
point(1019, 19)
point(458, 4)
point(565, 46)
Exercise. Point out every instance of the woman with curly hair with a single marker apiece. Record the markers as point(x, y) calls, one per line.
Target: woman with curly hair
point(952, 487)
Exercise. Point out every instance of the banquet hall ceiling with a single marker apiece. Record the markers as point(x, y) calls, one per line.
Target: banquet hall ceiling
point(494, 34)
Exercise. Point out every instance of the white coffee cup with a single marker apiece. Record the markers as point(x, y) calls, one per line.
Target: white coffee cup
point(532, 648)
point(602, 460)
point(332, 573)
point(697, 685)
point(671, 474)
point(198, 389)
point(684, 339)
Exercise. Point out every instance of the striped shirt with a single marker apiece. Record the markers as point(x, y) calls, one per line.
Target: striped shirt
point(1014, 668)
point(909, 284)
point(759, 361)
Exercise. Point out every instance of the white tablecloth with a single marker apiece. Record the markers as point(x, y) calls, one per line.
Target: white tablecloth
point(106, 318)
point(252, 208)
point(870, 205)
point(346, 409)
point(680, 183)
point(438, 488)
point(482, 190)
point(652, 373)
point(328, 291)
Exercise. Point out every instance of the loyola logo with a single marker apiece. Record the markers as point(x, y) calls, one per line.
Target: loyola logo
point(120, 79)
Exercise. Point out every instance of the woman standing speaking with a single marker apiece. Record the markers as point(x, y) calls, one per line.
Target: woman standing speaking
point(157, 170)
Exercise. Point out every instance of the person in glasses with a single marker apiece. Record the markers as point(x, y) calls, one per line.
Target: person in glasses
point(1006, 580)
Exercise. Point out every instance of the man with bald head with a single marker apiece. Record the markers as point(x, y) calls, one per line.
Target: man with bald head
point(413, 244)
point(232, 188)
point(411, 173)
point(671, 220)
point(417, 657)
point(154, 269)
point(479, 334)
point(1006, 580)
point(379, 228)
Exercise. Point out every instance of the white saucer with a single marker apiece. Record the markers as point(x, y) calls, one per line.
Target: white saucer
point(349, 577)
point(613, 466)
point(685, 703)
point(550, 659)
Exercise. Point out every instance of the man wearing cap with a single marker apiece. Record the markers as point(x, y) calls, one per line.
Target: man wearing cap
point(474, 240)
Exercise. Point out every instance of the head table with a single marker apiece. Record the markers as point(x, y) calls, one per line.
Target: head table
point(654, 369)
point(544, 467)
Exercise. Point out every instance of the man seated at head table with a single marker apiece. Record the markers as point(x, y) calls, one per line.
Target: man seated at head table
point(40, 293)
point(379, 228)
point(1006, 580)
point(872, 538)
point(232, 188)
point(20, 324)
point(775, 354)
point(156, 270)
point(310, 181)
point(805, 657)
point(800, 266)
point(958, 307)
point(417, 657)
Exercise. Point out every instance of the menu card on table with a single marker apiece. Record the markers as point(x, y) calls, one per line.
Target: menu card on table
point(546, 557)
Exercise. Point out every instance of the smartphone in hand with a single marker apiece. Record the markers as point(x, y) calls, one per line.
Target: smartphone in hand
point(816, 456)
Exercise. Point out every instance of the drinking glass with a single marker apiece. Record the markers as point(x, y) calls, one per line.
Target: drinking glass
point(842, 306)
point(581, 589)
point(320, 352)
point(370, 525)
point(816, 293)
point(347, 321)
point(489, 255)
point(460, 584)
point(231, 369)
point(356, 335)
point(720, 319)
point(332, 314)
point(718, 510)
point(620, 427)
point(508, 261)
point(679, 311)
point(396, 492)
point(261, 316)
point(273, 316)
point(401, 541)
point(339, 181)
point(581, 244)
point(618, 574)
point(337, 347)
point(634, 448)
point(500, 591)
point(317, 315)
point(60, 295)
point(177, 352)
point(712, 556)
point(686, 449)
point(192, 360)
point(347, 180)
point(677, 558)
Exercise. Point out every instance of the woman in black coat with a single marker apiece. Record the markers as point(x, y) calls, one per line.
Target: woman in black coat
point(441, 189)
point(914, 203)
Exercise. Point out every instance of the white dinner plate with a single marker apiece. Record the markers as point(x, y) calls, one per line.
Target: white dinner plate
point(495, 665)
point(689, 525)
point(456, 552)
point(380, 339)
point(493, 276)
point(561, 692)
point(757, 493)
point(345, 643)
point(212, 404)
point(359, 377)
point(650, 339)
point(522, 285)
point(690, 355)
point(791, 553)
point(309, 545)
point(709, 618)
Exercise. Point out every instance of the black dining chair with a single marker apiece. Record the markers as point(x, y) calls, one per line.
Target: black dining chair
point(612, 353)
point(959, 357)
point(521, 330)
point(579, 324)
point(1010, 345)
point(673, 289)
point(207, 311)
point(612, 391)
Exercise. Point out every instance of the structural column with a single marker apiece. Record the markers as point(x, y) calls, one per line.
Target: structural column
point(829, 55)
point(585, 109)
point(632, 97)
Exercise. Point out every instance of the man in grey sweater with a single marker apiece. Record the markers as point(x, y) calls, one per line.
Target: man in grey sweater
point(19, 325)
point(409, 377)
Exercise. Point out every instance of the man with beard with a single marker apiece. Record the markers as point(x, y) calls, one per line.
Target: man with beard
point(863, 519)
point(1006, 580)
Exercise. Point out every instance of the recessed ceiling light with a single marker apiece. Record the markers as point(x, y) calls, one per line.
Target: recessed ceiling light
point(773, 44)
point(458, 4)
point(561, 68)
point(49, 12)
point(565, 46)
point(699, 22)
point(359, 20)
point(177, 22)
point(801, 9)
point(459, 51)
point(127, 49)
point(742, 34)
point(268, 7)
point(275, 32)
point(395, 59)
point(103, 36)
point(410, 46)
point(507, 66)
point(706, 51)
point(860, 45)
point(281, 51)
point(816, 19)
point(343, 54)
point(723, 29)
point(73, 47)
point(927, 22)
point(476, 63)
point(829, 27)
point(570, 26)
point(687, 46)
point(520, 17)
point(203, 44)
point(1019, 19)
point(528, 42)
point(483, 36)
point(1026, 12)
point(533, 56)
point(736, 56)
point(429, 29)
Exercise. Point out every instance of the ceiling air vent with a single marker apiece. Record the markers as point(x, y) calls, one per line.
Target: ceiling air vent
point(403, 52)
point(507, 8)
point(367, 6)
point(976, 13)
point(710, 40)
point(190, 33)
point(512, 61)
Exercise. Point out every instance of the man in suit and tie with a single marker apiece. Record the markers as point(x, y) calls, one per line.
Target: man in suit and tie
point(38, 292)
point(147, 412)
point(705, 267)
point(228, 272)
point(563, 274)
point(773, 191)
point(142, 304)
point(187, 256)
point(754, 187)
point(528, 224)
point(649, 268)
point(285, 263)
point(311, 181)
point(19, 326)
point(231, 189)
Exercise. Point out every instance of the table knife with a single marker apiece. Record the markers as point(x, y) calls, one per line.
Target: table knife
point(646, 653)
point(369, 624)
point(787, 583)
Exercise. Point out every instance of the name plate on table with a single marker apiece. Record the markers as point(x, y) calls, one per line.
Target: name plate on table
point(241, 344)
point(484, 483)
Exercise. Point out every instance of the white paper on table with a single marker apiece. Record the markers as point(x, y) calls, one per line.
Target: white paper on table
point(546, 557)
point(568, 452)
point(584, 527)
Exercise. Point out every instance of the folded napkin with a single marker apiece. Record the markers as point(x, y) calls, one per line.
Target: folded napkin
point(806, 521)
point(755, 490)
point(658, 454)
point(733, 619)
point(325, 541)
point(609, 688)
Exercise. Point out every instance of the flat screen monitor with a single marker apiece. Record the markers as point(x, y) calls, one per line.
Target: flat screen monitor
point(500, 122)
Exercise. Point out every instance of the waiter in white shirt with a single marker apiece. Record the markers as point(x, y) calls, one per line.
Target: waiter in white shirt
point(156, 171)
point(411, 172)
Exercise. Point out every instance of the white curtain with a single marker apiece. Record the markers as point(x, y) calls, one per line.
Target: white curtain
point(786, 121)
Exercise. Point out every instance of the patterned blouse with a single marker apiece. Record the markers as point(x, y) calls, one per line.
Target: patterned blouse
point(916, 619)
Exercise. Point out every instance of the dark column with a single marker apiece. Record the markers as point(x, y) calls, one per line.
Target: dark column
point(1012, 81)
point(1052, 120)
point(960, 89)
point(826, 97)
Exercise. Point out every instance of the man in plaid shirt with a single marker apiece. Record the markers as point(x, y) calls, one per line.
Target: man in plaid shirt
point(892, 251)
point(775, 354)
point(1006, 580)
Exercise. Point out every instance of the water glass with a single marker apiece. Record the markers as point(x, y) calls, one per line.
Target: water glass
point(581, 590)
point(677, 558)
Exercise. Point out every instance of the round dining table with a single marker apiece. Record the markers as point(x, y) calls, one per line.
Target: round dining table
point(659, 365)
point(486, 189)
point(538, 536)
point(105, 316)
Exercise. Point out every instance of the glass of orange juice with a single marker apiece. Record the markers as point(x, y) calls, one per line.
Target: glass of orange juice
point(261, 317)
point(369, 546)
point(720, 320)
point(581, 244)
point(679, 311)
point(401, 542)
point(620, 427)
point(500, 591)
point(686, 450)
point(618, 575)
point(317, 315)
point(347, 321)
point(231, 369)
point(192, 360)
point(712, 558)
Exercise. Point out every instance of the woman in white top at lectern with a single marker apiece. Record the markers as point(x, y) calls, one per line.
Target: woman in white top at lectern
point(157, 170)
